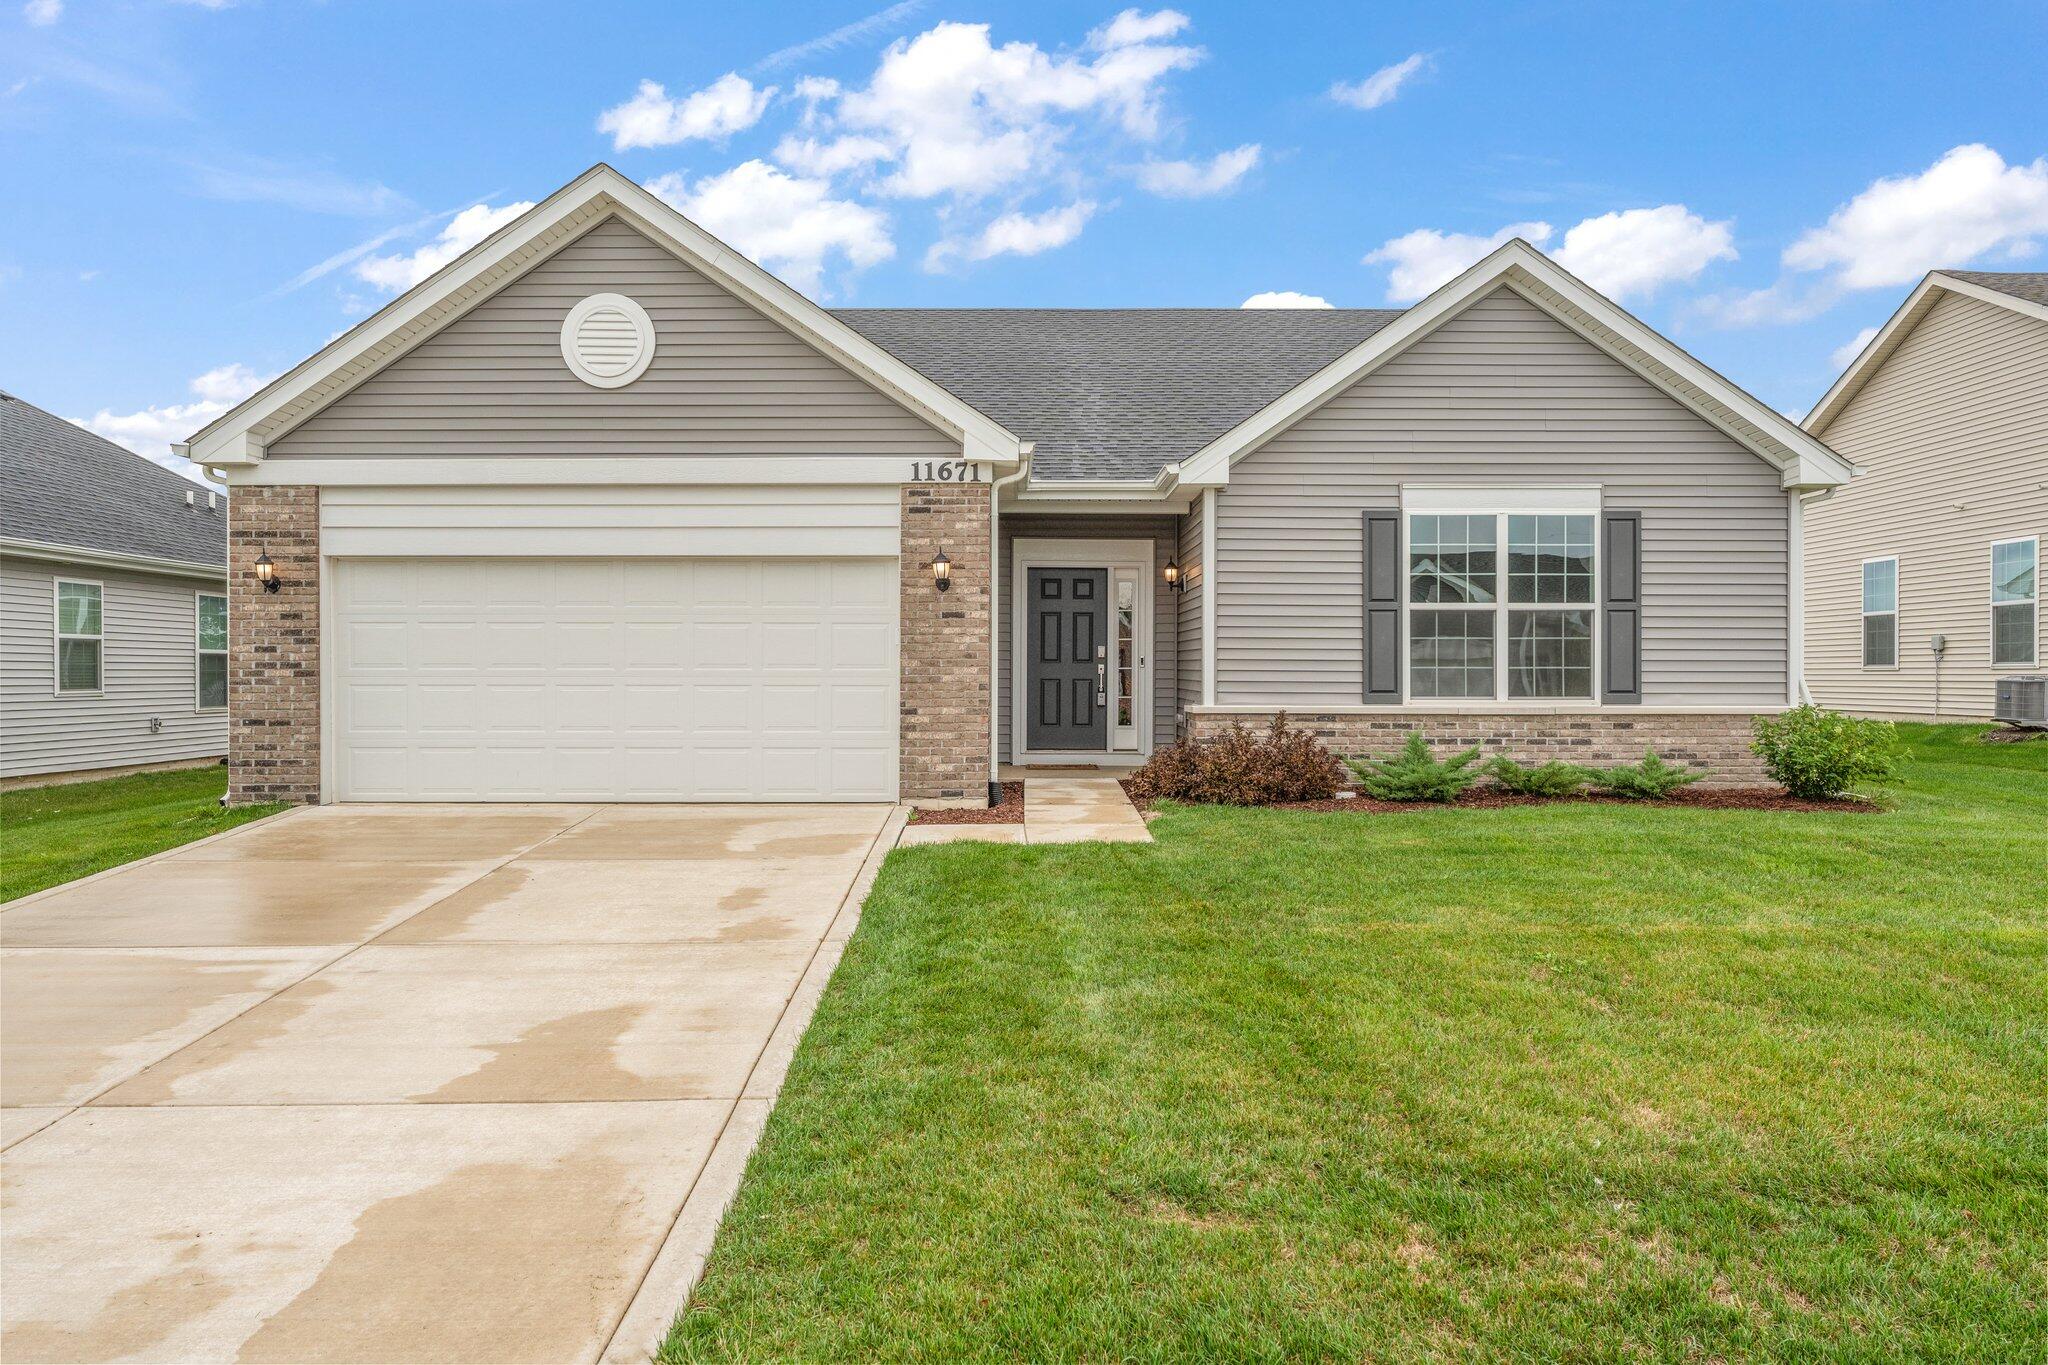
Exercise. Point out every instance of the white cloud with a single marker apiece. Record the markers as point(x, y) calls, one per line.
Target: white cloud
point(1193, 179)
point(315, 191)
point(1381, 86)
point(789, 224)
point(728, 105)
point(1285, 298)
point(1849, 350)
point(830, 158)
point(1967, 204)
point(1636, 252)
point(149, 433)
point(395, 274)
point(1631, 253)
point(838, 37)
point(1132, 27)
point(960, 116)
point(1015, 234)
point(43, 12)
point(1421, 260)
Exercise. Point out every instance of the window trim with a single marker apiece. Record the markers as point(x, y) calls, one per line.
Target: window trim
point(58, 637)
point(1991, 607)
point(199, 653)
point(1501, 502)
point(1862, 616)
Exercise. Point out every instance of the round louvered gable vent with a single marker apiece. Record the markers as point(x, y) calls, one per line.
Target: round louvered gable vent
point(608, 340)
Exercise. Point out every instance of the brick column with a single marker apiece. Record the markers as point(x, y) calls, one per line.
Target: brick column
point(946, 705)
point(274, 646)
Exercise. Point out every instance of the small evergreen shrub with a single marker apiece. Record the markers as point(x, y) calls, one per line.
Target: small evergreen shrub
point(1242, 768)
point(1416, 774)
point(1650, 780)
point(1545, 779)
point(1815, 754)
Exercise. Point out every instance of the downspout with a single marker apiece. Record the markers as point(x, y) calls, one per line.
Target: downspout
point(995, 624)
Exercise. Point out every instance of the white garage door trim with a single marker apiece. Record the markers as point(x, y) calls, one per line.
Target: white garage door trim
point(713, 679)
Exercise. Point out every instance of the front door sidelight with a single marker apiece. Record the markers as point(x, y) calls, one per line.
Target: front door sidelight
point(1067, 672)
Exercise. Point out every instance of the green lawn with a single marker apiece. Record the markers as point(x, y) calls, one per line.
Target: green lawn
point(53, 834)
point(1568, 1082)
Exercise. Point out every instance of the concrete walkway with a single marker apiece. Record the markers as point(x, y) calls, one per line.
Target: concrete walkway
point(405, 1083)
point(1080, 808)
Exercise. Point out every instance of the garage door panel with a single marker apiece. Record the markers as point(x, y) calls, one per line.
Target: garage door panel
point(680, 680)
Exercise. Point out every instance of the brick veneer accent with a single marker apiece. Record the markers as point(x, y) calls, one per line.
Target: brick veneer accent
point(274, 646)
point(1717, 741)
point(945, 645)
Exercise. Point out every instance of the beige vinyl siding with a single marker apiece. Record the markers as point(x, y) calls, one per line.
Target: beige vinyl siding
point(147, 667)
point(725, 380)
point(1190, 615)
point(1952, 435)
point(1502, 393)
point(1164, 534)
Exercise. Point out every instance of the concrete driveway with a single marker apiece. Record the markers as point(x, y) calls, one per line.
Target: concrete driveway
point(403, 1083)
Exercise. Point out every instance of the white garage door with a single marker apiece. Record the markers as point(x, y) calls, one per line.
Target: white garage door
point(615, 680)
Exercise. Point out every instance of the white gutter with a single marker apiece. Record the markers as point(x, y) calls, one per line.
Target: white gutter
point(995, 622)
point(110, 559)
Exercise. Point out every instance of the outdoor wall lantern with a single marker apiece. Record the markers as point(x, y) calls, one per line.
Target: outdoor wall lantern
point(942, 571)
point(266, 572)
point(1172, 574)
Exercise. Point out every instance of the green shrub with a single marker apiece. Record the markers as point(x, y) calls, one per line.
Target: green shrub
point(1545, 779)
point(1650, 780)
point(1815, 754)
point(1241, 768)
point(1416, 774)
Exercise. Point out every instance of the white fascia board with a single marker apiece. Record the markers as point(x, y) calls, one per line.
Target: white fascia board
point(596, 193)
point(423, 471)
point(1893, 334)
point(83, 556)
point(1768, 434)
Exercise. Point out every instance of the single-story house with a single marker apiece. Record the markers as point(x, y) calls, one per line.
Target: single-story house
point(113, 605)
point(604, 511)
point(1923, 578)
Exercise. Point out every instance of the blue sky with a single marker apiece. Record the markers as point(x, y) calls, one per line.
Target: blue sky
point(201, 192)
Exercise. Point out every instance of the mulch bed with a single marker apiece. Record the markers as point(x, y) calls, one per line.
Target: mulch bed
point(1493, 798)
point(1009, 812)
point(2012, 736)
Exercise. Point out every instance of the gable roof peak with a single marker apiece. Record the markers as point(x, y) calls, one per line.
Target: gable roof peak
point(240, 435)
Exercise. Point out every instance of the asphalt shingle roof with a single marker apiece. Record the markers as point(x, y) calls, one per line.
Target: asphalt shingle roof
point(62, 485)
point(2031, 285)
point(1116, 393)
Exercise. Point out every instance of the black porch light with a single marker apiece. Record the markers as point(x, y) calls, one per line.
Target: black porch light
point(1172, 575)
point(266, 572)
point(942, 571)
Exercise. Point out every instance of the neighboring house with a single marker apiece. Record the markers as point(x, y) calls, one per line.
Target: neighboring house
point(1945, 415)
point(113, 605)
point(602, 511)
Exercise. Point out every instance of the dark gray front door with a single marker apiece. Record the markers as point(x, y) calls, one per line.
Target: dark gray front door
point(1067, 667)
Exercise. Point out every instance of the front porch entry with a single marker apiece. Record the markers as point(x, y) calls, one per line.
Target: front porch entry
point(1081, 644)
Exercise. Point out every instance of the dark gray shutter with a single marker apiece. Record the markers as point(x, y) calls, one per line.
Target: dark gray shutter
point(1383, 607)
point(1621, 602)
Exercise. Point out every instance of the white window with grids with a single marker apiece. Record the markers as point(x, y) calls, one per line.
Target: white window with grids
point(1502, 604)
point(2015, 602)
point(1881, 612)
point(210, 651)
point(81, 637)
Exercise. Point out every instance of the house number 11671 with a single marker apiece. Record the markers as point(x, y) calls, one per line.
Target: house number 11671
point(945, 471)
